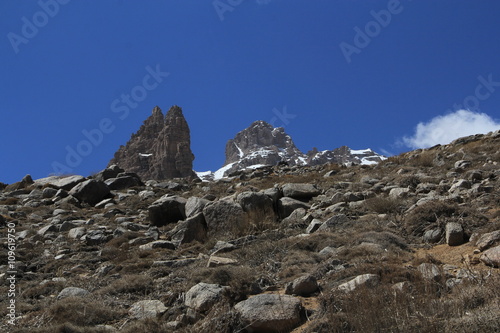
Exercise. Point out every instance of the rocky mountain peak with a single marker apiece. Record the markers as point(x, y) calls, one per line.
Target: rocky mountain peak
point(160, 149)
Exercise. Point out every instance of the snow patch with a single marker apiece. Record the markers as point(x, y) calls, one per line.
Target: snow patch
point(145, 155)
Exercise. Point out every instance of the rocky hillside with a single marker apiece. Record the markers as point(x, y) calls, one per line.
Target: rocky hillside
point(261, 144)
point(411, 244)
point(160, 149)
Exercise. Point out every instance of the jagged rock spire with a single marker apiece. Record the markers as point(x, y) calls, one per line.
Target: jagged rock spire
point(160, 149)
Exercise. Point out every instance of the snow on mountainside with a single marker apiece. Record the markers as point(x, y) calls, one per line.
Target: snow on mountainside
point(264, 145)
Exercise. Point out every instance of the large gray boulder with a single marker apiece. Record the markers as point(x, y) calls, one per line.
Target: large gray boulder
point(167, 209)
point(302, 286)
point(257, 205)
point(147, 309)
point(72, 292)
point(300, 191)
point(90, 191)
point(225, 217)
point(110, 172)
point(491, 257)
point(487, 240)
point(193, 229)
point(203, 296)
point(270, 313)
point(368, 280)
point(287, 205)
point(334, 222)
point(430, 271)
point(454, 234)
point(195, 205)
point(124, 181)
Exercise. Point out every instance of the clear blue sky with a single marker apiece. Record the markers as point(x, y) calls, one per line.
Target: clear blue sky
point(66, 64)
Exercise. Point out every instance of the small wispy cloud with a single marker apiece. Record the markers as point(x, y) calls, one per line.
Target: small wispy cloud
point(446, 128)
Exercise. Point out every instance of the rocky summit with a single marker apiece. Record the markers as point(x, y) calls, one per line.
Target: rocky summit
point(261, 144)
point(160, 149)
point(410, 244)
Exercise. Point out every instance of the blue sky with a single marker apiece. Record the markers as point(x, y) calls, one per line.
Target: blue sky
point(388, 75)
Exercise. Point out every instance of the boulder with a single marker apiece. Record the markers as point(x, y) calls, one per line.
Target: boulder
point(313, 226)
point(110, 172)
point(123, 181)
point(270, 313)
point(96, 237)
point(432, 236)
point(225, 216)
point(257, 205)
point(491, 257)
point(300, 191)
point(203, 296)
point(454, 234)
point(334, 222)
point(195, 205)
point(193, 229)
point(167, 209)
point(159, 244)
point(287, 205)
point(147, 309)
point(302, 286)
point(90, 191)
point(399, 192)
point(430, 271)
point(487, 240)
point(368, 280)
point(72, 292)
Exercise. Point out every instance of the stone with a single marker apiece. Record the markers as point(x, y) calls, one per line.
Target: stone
point(270, 313)
point(454, 234)
point(257, 205)
point(432, 236)
point(123, 181)
point(313, 226)
point(147, 309)
point(72, 292)
point(303, 286)
point(368, 280)
point(203, 296)
point(159, 244)
point(215, 261)
point(430, 271)
point(460, 185)
point(300, 191)
point(47, 229)
point(192, 229)
point(110, 172)
point(334, 222)
point(399, 192)
point(195, 205)
point(90, 191)
point(487, 240)
point(96, 237)
point(225, 216)
point(76, 233)
point(462, 165)
point(491, 257)
point(160, 149)
point(167, 209)
point(287, 205)
point(48, 192)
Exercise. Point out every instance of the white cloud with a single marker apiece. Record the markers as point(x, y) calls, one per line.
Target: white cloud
point(446, 128)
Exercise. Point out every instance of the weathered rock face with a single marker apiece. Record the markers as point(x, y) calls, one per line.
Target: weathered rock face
point(160, 149)
point(261, 144)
